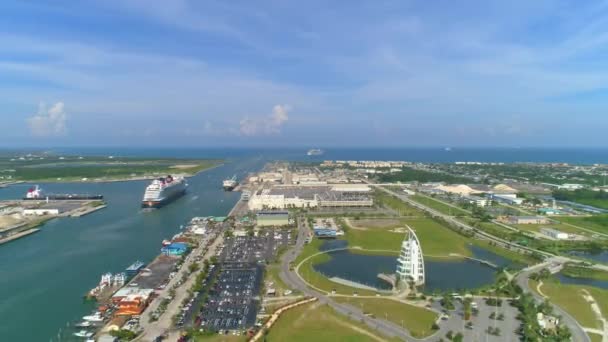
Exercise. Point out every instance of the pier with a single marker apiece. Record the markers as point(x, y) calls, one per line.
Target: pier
point(481, 261)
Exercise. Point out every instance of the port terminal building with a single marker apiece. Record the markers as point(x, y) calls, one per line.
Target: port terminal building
point(298, 196)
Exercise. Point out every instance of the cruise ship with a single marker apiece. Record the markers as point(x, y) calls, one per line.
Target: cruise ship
point(314, 152)
point(163, 190)
point(230, 184)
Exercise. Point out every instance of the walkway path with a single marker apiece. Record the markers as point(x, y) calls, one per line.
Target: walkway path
point(598, 314)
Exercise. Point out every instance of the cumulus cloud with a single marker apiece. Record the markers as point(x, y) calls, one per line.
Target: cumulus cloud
point(268, 125)
point(48, 121)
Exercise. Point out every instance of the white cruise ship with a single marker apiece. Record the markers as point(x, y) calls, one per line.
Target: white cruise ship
point(163, 190)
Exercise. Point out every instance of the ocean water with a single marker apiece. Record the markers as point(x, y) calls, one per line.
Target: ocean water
point(415, 154)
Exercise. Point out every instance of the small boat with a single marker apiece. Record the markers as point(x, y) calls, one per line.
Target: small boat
point(84, 324)
point(83, 333)
point(166, 242)
point(96, 317)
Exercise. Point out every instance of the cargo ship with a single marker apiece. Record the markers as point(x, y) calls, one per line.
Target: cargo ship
point(163, 190)
point(36, 193)
point(230, 184)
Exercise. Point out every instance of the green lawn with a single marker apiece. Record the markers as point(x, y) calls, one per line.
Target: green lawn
point(597, 223)
point(569, 298)
point(219, 338)
point(505, 253)
point(319, 323)
point(382, 198)
point(559, 226)
point(595, 337)
point(440, 206)
point(435, 239)
point(415, 319)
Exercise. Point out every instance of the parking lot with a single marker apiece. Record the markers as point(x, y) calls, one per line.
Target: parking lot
point(263, 247)
point(233, 299)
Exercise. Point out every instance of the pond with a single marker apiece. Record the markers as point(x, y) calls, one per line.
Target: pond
point(603, 284)
point(441, 275)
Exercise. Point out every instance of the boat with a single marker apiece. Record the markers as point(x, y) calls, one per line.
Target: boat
point(230, 184)
point(163, 190)
point(36, 193)
point(314, 152)
point(96, 317)
point(135, 268)
point(83, 333)
point(166, 242)
point(84, 324)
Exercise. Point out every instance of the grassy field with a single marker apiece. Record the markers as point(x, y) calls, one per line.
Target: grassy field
point(559, 226)
point(435, 239)
point(570, 298)
point(595, 337)
point(368, 223)
point(597, 223)
point(74, 168)
point(415, 319)
point(396, 204)
point(440, 206)
point(317, 322)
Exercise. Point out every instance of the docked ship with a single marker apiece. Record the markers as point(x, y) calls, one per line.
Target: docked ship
point(36, 193)
point(230, 184)
point(314, 152)
point(163, 190)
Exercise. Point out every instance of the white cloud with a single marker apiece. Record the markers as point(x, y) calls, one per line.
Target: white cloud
point(48, 122)
point(268, 125)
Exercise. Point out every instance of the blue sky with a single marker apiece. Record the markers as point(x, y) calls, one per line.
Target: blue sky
point(305, 73)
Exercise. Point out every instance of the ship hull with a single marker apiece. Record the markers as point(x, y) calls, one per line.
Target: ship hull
point(158, 204)
point(229, 188)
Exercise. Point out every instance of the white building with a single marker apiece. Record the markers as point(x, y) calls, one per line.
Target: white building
point(554, 233)
point(478, 201)
point(410, 264)
point(570, 186)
